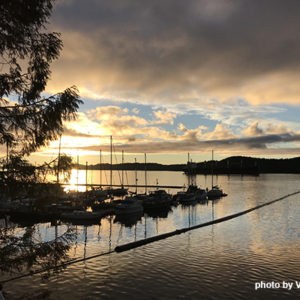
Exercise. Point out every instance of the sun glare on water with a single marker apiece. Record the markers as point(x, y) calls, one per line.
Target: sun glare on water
point(77, 177)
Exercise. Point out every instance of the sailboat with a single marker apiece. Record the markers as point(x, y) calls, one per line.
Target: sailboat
point(215, 191)
point(157, 199)
point(118, 191)
point(98, 193)
point(193, 193)
point(128, 206)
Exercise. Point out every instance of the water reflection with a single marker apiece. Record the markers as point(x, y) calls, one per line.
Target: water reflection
point(158, 213)
point(128, 220)
point(85, 222)
point(27, 221)
point(24, 250)
point(222, 261)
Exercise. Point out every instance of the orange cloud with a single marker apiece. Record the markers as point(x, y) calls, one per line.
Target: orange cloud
point(164, 117)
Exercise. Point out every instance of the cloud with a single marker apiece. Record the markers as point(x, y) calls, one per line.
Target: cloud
point(112, 120)
point(74, 133)
point(180, 52)
point(277, 129)
point(115, 121)
point(268, 128)
point(83, 126)
point(135, 134)
point(201, 133)
point(236, 112)
point(192, 134)
point(253, 130)
point(182, 128)
point(221, 132)
point(258, 145)
point(106, 112)
point(135, 111)
point(164, 117)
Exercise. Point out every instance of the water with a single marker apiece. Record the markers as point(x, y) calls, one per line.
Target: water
point(222, 261)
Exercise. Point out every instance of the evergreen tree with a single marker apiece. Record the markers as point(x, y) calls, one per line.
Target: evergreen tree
point(26, 52)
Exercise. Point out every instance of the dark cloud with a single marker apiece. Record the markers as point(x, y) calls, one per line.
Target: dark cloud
point(173, 44)
point(261, 144)
point(74, 133)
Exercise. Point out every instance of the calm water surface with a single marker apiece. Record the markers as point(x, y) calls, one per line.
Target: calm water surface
point(222, 261)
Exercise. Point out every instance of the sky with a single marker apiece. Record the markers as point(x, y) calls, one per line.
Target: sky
point(171, 77)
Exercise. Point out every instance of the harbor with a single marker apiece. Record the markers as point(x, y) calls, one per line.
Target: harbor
point(66, 203)
point(89, 202)
point(91, 276)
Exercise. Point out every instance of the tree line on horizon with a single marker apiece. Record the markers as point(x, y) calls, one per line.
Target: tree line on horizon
point(229, 165)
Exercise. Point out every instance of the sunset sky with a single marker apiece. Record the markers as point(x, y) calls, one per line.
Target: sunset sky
point(171, 77)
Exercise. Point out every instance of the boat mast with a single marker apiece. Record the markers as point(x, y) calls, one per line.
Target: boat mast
point(111, 161)
point(77, 177)
point(136, 180)
point(100, 167)
point(86, 175)
point(189, 170)
point(212, 172)
point(122, 182)
point(145, 174)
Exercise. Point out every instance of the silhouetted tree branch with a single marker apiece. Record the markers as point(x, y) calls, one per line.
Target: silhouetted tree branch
point(26, 52)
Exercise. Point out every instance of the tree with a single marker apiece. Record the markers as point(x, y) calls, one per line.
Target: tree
point(23, 178)
point(21, 252)
point(26, 52)
point(32, 121)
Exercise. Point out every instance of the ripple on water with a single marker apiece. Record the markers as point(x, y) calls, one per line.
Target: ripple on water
point(222, 261)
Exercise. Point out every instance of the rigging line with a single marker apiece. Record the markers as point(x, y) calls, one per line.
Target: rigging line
point(104, 169)
point(105, 176)
point(126, 174)
point(124, 170)
point(117, 163)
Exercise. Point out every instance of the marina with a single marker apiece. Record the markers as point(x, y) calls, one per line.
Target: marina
point(111, 232)
point(89, 201)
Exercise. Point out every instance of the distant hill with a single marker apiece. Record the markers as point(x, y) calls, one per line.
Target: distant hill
point(245, 165)
point(137, 166)
point(230, 165)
